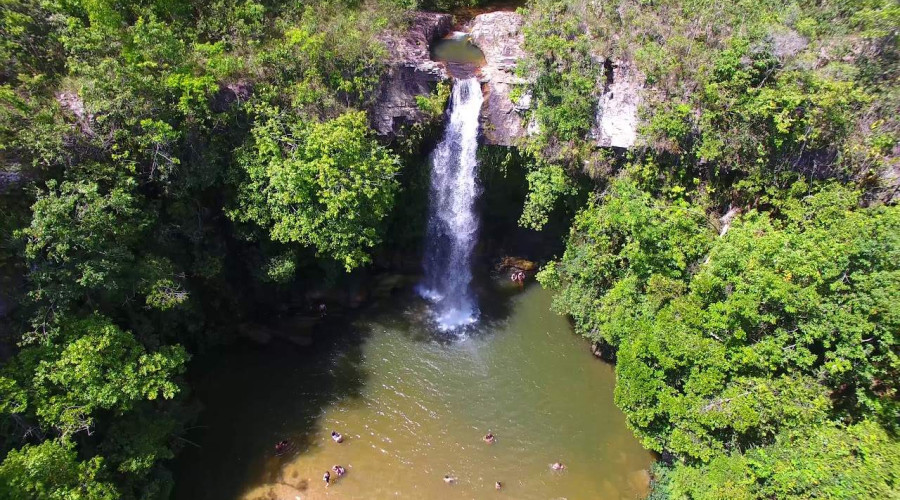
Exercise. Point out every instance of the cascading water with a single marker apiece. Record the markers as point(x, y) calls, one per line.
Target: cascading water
point(452, 223)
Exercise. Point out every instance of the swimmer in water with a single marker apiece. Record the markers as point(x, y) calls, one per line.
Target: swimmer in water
point(497, 486)
point(449, 479)
point(489, 438)
point(339, 470)
point(336, 436)
point(558, 466)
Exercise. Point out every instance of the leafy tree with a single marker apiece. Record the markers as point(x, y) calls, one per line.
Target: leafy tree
point(328, 185)
point(93, 365)
point(783, 314)
point(79, 242)
point(826, 461)
point(52, 471)
point(623, 246)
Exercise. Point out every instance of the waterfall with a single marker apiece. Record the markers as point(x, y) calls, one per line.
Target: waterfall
point(452, 223)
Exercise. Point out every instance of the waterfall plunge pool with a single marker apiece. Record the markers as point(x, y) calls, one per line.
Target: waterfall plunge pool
point(414, 407)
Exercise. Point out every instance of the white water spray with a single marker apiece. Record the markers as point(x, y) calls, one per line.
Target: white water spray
point(452, 223)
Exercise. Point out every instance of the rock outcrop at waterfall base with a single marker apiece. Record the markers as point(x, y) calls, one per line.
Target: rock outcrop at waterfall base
point(411, 72)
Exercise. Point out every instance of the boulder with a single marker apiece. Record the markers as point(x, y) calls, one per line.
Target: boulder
point(617, 109)
point(410, 73)
point(230, 93)
point(517, 263)
point(499, 36)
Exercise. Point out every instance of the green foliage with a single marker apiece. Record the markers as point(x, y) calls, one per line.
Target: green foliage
point(94, 365)
point(121, 127)
point(826, 461)
point(732, 350)
point(79, 241)
point(328, 185)
point(433, 105)
point(52, 471)
point(564, 75)
point(546, 186)
point(281, 268)
point(621, 247)
point(783, 314)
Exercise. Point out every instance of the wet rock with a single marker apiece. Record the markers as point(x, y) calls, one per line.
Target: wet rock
point(517, 263)
point(499, 36)
point(410, 73)
point(617, 109)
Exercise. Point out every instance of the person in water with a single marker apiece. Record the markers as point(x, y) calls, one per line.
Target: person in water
point(489, 438)
point(336, 436)
point(518, 277)
point(498, 485)
point(327, 479)
point(558, 466)
point(282, 446)
point(339, 470)
point(449, 479)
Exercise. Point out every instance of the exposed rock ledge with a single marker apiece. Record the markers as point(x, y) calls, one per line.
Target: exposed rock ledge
point(499, 36)
point(616, 121)
point(411, 72)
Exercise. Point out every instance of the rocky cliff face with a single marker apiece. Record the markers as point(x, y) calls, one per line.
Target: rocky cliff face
point(617, 109)
point(411, 72)
point(499, 36)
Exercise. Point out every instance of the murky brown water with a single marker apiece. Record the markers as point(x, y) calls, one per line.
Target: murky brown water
point(413, 408)
point(461, 57)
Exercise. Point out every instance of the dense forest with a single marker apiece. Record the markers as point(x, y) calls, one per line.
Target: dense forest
point(171, 168)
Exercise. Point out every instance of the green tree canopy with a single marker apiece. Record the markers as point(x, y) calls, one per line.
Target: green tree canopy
point(327, 185)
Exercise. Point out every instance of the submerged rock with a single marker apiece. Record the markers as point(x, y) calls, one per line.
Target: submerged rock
point(410, 73)
point(617, 109)
point(499, 36)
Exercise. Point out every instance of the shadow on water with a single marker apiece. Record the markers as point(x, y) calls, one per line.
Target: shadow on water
point(254, 396)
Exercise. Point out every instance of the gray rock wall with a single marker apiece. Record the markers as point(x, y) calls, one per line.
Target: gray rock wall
point(411, 72)
point(499, 36)
point(616, 121)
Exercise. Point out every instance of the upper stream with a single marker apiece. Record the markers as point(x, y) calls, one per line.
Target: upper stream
point(413, 407)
